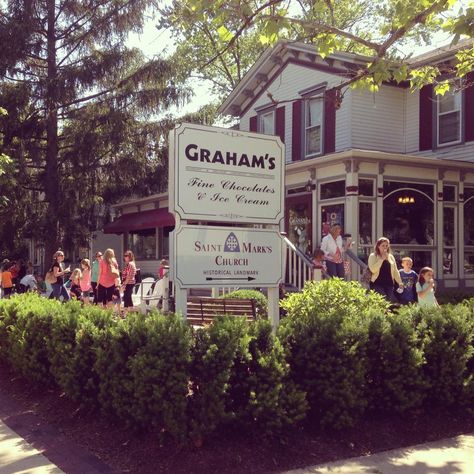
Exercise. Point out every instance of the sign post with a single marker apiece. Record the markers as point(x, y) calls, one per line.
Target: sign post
point(229, 177)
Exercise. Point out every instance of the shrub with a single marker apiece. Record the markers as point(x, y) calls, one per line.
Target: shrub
point(446, 336)
point(325, 334)
point(261, 302)
point(142, 367)
point(394, 376)
point(239, 374)
point(453, 296)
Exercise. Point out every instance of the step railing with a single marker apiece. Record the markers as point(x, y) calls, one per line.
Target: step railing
point(298, 267)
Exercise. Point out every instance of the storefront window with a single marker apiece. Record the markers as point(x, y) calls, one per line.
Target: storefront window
point(420, 258)
point(449, 226)
point(408, 214)
point(143, 244)
point(299, 224)
point(365, 223)
point(164, 233)
point(333, 190)
point(469, 233)
point(331, 215)
point(366, 187)
point(449, 193)
point(449, 237)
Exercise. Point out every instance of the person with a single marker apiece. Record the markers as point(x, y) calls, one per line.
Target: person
point(85, 279)
point(95, 274)
point(425, 288)
point(7, 280)
point(59, 271)
point(128, 279)
point(332, 247)
point(409, 278)
point(107, 279)
point(318, 261)
point(75, 290)
point(14, 270)
point(163, 268)
point(384, 270)
point(28, 283)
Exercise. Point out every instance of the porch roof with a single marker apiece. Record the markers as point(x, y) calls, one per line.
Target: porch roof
point(140, 220)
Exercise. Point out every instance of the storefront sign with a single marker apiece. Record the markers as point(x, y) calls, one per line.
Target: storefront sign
point(227, 256)
point(225, 175)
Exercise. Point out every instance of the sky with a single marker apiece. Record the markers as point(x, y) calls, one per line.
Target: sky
point(152, 42)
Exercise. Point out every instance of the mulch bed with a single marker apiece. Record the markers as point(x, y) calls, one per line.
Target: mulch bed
point(81, 442)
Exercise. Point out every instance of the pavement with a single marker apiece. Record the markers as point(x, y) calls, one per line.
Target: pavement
point(19, 457)
point(448, 456)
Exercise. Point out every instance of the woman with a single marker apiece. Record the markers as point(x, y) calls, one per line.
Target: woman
point(332, 247)
point(59, 271)
point(384, 270)
point(128, 279)
point(107, 278)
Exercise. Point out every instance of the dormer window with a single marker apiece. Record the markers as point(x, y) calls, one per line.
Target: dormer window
point(449, 115)
point(313, 126)
point(266, 122)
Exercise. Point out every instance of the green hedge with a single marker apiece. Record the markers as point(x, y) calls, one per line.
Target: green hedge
point(261, 302)
point(339, 355)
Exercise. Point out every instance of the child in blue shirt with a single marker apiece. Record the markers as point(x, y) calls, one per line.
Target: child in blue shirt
point(409, 278)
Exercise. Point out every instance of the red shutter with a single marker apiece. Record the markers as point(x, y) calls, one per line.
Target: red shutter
point(253, 124)
point(329, 121)
point(280, 123)
point(426, 118)
point(296, 131)
point(469, 108)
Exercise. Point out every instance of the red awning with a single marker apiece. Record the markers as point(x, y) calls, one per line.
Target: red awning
point(140, 220)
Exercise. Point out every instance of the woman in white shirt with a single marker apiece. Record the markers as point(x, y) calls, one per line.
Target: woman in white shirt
point(332, 247)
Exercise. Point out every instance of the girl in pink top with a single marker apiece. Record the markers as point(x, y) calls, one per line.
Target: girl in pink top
point(85, 280)
point(108, 278)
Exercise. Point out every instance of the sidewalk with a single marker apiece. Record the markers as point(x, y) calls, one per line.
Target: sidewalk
point(448, 456)
point(19, 457)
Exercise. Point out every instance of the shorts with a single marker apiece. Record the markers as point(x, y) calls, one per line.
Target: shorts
point(105, 294)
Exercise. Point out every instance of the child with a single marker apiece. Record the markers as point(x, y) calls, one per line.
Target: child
point(75, 290)
point(425, 288)
point(85, 280)
point(318, 262)
point(409, 278)
point(7, 281)
point(163, 268)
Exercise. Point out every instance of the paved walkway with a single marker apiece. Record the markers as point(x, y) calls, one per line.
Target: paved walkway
point(448, 456)
point(19, 457)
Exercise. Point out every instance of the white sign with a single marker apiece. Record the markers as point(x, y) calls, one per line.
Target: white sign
point(227, 256)
point(225, 175)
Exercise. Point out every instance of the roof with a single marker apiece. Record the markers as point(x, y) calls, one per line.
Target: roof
point(274, 58)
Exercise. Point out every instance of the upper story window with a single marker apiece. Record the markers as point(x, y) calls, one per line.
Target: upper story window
point(267, 122)
point(449, 115)
point(313, 125)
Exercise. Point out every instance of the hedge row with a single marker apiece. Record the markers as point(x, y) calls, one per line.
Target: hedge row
point(337, 356)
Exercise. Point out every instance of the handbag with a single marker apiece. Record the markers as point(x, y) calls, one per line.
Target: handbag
point(366, 276)
point(50, 278)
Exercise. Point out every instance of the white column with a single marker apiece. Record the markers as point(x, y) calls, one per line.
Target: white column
point(438, 230)
point(274, 307)
point(379, 203)
point(460, 241)
point(351, 224)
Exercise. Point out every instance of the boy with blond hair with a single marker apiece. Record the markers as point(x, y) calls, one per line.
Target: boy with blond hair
point(409, 278)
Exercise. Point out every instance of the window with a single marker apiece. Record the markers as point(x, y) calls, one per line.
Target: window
point(332, 190)
point(449, 193)
point(366, 187)
point(449, 239)
point(143, 244)
point(313, 126)
point(449, 118)
point(469, 232)
point(331, 215)
point(408, 213)
point(365, 223)
point(267, 123)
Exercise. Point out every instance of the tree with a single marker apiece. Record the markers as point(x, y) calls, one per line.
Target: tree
point(215, 31)
point(79, 104)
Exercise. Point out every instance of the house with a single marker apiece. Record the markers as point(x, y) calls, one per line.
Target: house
point(393, 163)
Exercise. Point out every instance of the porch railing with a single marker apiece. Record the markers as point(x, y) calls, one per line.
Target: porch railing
point(298, 267)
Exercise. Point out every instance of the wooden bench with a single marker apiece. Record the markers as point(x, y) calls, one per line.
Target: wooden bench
point(203, 310)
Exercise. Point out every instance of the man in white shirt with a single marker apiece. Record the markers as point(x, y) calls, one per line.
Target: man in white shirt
point(28, 283)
